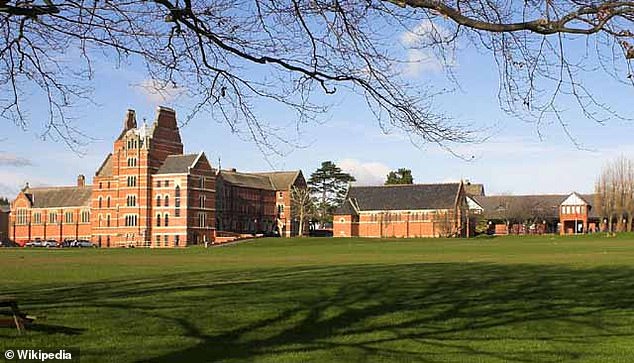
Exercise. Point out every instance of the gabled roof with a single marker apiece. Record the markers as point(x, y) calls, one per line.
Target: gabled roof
point(106, 167)
point(402, 197)
point(281, 180)
point(575, 199)
point(547, 205)
point(347, 208)
point(58, 197)
point(178, 164)
point(247, 180)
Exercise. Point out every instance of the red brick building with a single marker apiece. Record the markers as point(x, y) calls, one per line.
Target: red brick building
point(417, 210)
point(537, 214)
point(148, 193)
point(257, 202)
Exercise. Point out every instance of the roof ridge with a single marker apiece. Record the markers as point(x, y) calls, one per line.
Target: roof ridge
point(180, 155)
point(401, 185)
point(61, 187)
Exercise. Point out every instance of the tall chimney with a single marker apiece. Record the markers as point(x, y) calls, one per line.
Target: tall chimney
point(81, 180)
point(130, 120)
point(166, 117)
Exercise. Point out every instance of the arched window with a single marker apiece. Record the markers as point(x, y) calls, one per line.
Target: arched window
point(167, 220)
point(158, 220)
point(167, 200)
point(108, 202)
point(99, 202)
point(158, 200)
point(108, 220)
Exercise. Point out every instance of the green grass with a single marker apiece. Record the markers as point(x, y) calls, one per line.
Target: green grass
point(532, 299)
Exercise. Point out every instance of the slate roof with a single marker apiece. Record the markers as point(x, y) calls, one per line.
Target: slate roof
point(177, 164)
point(247, 180)
point(401, 197)
point(57, 197)
point(547, 205)
point(474, 189)
point(106, 167)
point(281, 180)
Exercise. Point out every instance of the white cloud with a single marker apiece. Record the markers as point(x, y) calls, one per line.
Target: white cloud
point(368, 173)
point(157, 92)
point(420, 61)
point(425, 43)
point(8, 159)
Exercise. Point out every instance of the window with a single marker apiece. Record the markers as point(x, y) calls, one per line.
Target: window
point(165, 240)
point(132, 144)
point(167, 183)
point(107, 220)
point(202, 182)
point(132, 181)
point(108, 202)
point(167, 220)
point(85, 216)
point(108, 185)
point(158, 220)
point(281, 195)
point(131, 201)
point(131, 220)
point(177, 201)
point(167, 201)
point(52, 217)
point(68, 217)
point(131, 162)
point(158, 183)
point(99, 202)
point(100, 219)
point(158, 200)
point(37, 218)
point(202, 220)
point(176, 240)
point(280, 208)
point(201, 200)
point(21, 216)
point(100, 185)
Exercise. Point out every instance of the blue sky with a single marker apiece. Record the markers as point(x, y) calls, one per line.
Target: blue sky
point(513, 160)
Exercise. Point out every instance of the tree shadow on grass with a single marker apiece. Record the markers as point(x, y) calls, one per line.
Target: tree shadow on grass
point(422, 312)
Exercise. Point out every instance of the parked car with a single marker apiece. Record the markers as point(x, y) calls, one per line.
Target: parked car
point(35, 243)
point(8, 243)
point(49, 243)
point(84, 244)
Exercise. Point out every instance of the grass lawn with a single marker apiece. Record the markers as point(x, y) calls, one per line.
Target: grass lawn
point(529, 299)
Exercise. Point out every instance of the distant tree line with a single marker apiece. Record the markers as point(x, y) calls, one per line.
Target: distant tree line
point(614, 194)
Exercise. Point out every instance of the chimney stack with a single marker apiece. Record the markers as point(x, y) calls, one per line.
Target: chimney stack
point(130, 120)
point(81, 180)
point(166, 117)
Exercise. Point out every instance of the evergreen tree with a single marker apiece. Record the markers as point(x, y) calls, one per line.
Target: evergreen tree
point(330, 186)
point(401, 176)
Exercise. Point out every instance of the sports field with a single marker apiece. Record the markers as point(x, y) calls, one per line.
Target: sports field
point(529, 299)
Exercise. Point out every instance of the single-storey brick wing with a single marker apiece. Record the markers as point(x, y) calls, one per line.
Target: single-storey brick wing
point(415, 210)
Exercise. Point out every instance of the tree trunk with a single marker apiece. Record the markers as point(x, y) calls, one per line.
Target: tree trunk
point(300, 233)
